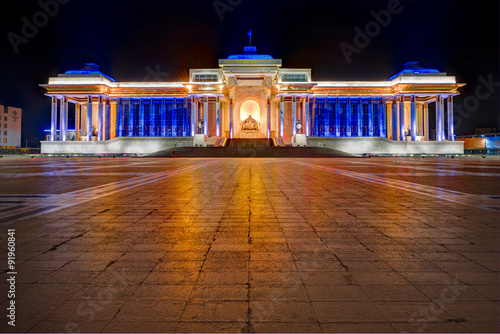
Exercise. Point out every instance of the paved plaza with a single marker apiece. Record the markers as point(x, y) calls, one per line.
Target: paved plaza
point(251, 245)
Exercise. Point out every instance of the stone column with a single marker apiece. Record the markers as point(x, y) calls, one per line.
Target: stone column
point(395, 128)
point(107, 120)
point(269, 118)
point(360, 118)
point(100, 120)
point(439, 118)
point(77, 121)
point(141, 128)
point(382, 119)
point(113, 118)
point(294, 115)
point(313, 125)
point(451, 125)
point(307, 117)
point(217, 116)
point(194, 116)
point(231, 122)
point(89, 118)
point(402, 130)
point(426, 121)
point(64, 119)
point(348, 108)
point(337, 118)
point(370, 118)
point(53, 120)
point(413, 119)
point(282, 116)
point(205, 115)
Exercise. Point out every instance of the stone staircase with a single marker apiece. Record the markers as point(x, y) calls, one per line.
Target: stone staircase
point(252, 152)
point(249, 142)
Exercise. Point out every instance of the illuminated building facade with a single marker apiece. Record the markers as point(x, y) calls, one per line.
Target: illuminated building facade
point(250, 86)
point(10, 127)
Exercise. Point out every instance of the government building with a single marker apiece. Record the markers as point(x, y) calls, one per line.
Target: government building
point(250, 95)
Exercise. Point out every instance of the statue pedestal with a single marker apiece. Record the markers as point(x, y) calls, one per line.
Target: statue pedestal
point(251, 134)
point(299, 140)
point(199, 140)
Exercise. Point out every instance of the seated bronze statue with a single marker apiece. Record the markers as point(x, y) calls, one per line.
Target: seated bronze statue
point(250, 124)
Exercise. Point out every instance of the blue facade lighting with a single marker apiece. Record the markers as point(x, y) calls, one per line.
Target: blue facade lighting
point(349, 117)
point(146, 117)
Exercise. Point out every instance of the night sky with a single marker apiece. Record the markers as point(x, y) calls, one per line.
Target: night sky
point(130, 40)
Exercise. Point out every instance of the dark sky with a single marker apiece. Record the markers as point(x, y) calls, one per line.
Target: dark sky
point(131, 39)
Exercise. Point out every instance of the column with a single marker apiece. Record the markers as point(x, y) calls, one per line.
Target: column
point(348, 118)
point(337, 118)
point(113, 118)
point(439, 116)
point(395, 128)
point(107, 120)
point(163, 116)
point(299, 113)
point(175, 121)
point(426, 121)
point(294, 115)
point(451, 125)
point(282, 116)
point(217, 116)
point(121, 125)
point(360, 118)
point(307, 117)
point(268, 118)
point(231, 133)
point(418, 117)
point(53, 120)
point(402, 130)
point(413, 119)
point(194, 119)
point(205, 115)
point(443, 133)
point(314, 129)
point(153, 120)
point(326, 119)
point(370, 118)
point(131, 120)
point(100, 120)
point(77, 121)
point(382, 119)
point(64, 119)
point(141, 118)
point(89, 118)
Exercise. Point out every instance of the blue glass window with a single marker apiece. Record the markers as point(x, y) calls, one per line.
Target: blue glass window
point(163, 117)
point(347, 117)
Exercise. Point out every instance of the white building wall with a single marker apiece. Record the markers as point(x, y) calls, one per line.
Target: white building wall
point(10, 126)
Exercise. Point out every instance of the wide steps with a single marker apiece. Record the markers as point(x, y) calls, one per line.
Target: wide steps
point(252, 152)
point(240, 142)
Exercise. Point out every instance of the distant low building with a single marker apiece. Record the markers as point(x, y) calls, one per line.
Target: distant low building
point(10, 126)
point(484, 141)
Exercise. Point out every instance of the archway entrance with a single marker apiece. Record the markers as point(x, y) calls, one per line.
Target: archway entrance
point(250, 120)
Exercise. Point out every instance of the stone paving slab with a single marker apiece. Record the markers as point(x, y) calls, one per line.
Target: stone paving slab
point(252, 245)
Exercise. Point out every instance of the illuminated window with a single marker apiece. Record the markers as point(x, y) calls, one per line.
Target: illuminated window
point(348, 117)
point(294, 77)
point(205, 78)
point(5, 140)
point(167, 117)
